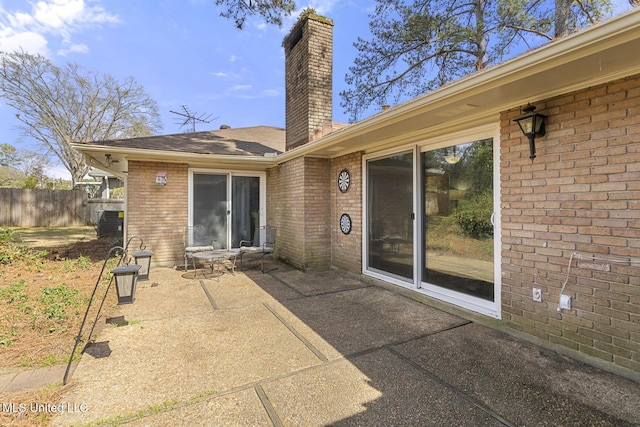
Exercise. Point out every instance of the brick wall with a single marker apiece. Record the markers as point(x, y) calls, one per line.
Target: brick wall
point(347, 249)
point(579, 195)
point(308, 75)
point(297, 195)
point(158, 213)
point(317, 213)
point(285, 209)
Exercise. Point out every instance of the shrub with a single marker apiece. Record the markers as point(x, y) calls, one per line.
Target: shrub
point(474, 216)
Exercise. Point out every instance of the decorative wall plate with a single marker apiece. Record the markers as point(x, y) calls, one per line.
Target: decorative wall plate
point(344, 180)
point(345, 224)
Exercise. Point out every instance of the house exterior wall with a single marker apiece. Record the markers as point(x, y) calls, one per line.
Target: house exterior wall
point(158, 213)
point(297, 195)
point(346, 250)
point(580, 194)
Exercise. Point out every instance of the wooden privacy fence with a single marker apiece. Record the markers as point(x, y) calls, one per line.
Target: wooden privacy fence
point(43, 208)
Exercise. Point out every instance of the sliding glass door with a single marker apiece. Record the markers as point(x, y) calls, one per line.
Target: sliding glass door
point(210, 205)
point(390, 215)
point(229, 205)
point(430, 219)
point(457, 183)
point(245, 212)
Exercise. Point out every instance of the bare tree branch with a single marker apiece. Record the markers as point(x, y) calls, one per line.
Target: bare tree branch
point(60, 106)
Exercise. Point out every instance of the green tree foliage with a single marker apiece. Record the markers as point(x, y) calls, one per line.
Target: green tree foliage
point(8, 155)
point(59, 106)
point(474, 215)
point(10, 175)
point(571, 15)
point(477, 163)
point(271, 11)
point(419, 46)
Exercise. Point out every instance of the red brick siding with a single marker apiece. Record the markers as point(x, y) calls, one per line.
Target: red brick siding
point(347, 249)
point(285, 209)
point(158, 213)
point(297, 195)
point(579, 195)
point(317, 213)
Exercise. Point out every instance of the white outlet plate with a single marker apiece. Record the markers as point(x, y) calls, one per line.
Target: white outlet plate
point(537, 294)
point(565, 302)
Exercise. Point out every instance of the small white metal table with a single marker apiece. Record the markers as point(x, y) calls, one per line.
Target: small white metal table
point(215, 257)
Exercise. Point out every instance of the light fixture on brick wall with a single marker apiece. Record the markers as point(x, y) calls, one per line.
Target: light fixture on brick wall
point(532, 125)
point(161, 178)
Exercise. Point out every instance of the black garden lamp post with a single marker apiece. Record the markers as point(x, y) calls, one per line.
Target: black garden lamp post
point(143, 259)
point(126, 277)
point(532, 125)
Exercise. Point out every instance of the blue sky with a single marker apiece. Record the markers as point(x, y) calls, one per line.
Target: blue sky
point(181, 51)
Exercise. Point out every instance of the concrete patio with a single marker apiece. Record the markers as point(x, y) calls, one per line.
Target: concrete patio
point(322, 348)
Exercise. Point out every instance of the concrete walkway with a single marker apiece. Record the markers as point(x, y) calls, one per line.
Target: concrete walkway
point(20, 380)
point(311, 349)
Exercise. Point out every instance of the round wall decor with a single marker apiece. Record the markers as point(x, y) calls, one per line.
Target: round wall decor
point(344, 180)
point(345, 224)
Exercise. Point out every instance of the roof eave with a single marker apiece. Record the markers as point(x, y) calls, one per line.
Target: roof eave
point(529, 71)
point(120, 156)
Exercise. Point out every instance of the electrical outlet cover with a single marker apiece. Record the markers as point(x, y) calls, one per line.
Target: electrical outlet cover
point(537, 295)
point(565, 302)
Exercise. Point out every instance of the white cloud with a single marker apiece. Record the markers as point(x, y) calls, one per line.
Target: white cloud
point(51, 21)
point(76, 48)
point(240, 87)
point(322, 7)
point(28, 41)
point(270, 92)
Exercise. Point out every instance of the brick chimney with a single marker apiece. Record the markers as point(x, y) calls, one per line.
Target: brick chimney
point(308, 77)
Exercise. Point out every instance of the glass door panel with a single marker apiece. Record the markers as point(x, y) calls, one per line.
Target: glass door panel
point(210, 205)
point(245, 208)
point(390, 215)
point(458, 206)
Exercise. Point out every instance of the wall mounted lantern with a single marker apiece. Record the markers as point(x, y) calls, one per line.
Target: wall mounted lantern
point(161, 178)
point(532, 125)
point(126, 278)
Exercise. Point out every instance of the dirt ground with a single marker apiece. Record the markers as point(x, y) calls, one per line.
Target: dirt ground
point(44, 295)
point(67, 242)
point(46, 278)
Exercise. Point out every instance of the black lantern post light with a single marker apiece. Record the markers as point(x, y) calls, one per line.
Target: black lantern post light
point(125, 275)
point(143, 259)
point(532, 125)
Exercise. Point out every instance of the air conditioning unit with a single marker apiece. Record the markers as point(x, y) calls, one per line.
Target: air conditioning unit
point(110, 223)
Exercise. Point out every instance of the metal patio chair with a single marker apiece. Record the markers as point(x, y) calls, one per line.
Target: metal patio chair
point(197, 238)
point(263, 244)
